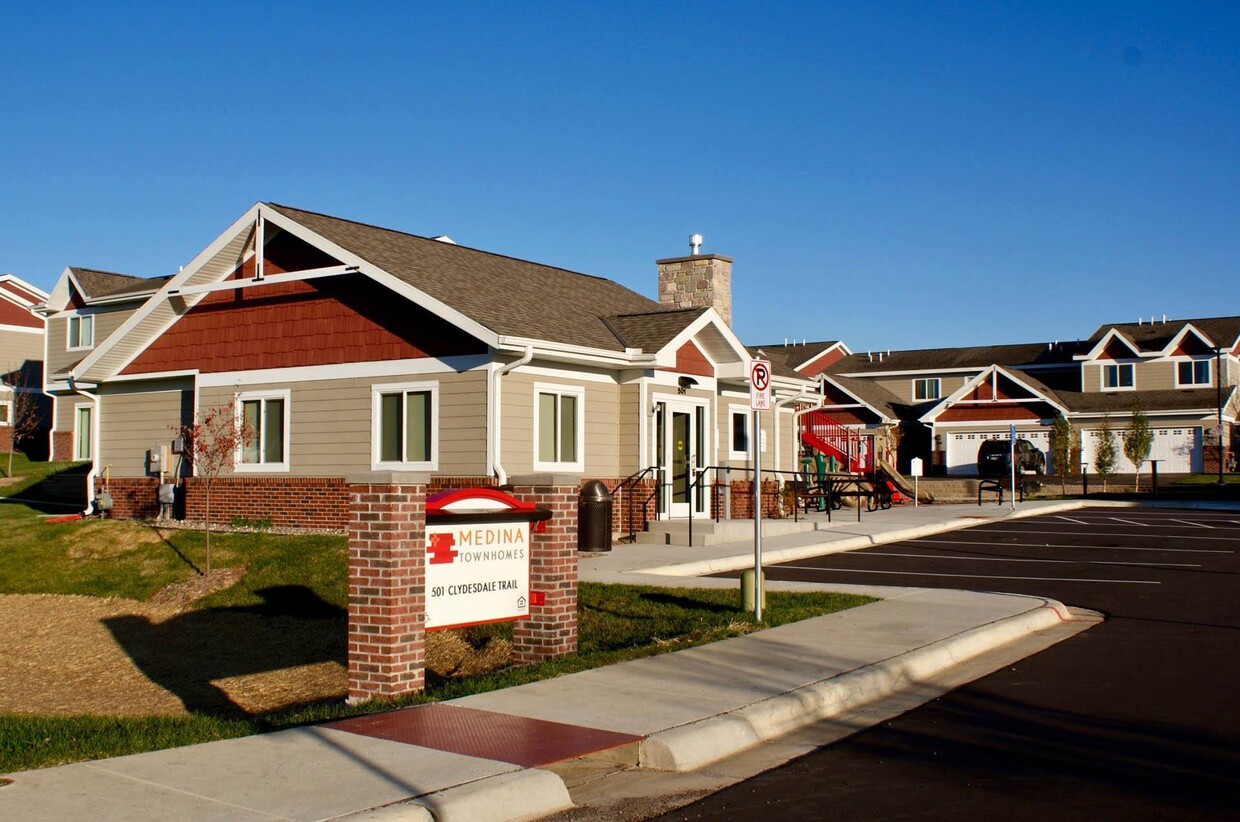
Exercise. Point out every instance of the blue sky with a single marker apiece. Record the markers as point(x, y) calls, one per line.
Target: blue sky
point(892, 174)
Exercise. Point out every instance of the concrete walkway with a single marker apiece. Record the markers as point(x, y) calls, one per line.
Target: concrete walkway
point(675, 712)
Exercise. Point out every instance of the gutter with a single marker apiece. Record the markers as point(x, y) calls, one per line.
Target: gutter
point(94, 442)
point(494, 415)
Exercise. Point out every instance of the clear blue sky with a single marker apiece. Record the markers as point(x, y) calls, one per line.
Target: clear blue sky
point(891, 174)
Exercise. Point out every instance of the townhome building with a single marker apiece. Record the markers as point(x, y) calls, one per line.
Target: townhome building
point(349, 349)
point(22, 330)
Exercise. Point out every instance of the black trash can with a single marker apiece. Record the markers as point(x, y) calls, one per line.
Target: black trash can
point(594, 517)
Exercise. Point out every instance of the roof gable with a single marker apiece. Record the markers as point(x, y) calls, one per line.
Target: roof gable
point(997, 387)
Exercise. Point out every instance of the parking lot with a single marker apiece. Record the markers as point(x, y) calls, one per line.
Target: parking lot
point(1133, 719)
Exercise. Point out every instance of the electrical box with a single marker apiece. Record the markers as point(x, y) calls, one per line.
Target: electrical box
point(178, 445)
point(153, 461)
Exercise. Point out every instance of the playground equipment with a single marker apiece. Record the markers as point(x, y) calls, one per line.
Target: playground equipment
point(839, 462)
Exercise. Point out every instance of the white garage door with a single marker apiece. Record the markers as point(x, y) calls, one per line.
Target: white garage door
point(962, 447)
point(1177, 449)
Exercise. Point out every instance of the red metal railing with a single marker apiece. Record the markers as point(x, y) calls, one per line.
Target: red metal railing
point(854, 452)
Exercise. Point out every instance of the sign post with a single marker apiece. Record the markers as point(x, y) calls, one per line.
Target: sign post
point(915, 468)
point(759, 401)
point(1012, 445)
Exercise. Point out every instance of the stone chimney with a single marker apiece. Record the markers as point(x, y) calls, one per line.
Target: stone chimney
point(696, 281)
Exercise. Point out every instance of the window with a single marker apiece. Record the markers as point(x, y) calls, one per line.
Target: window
point(1115, 377)
point(264, 444)
point(404, 425)
point(1193, 372)
point(740, 435)
point(926, 389)
point(81, 332)
point(558, 434)
point(6, 412)
point(82, 432)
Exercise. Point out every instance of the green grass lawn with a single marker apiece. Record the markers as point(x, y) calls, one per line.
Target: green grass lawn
point(133, 560)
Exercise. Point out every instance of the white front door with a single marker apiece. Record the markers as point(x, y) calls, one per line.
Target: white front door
point(680, 438)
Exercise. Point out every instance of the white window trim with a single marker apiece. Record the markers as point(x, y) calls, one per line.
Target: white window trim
point(77, 408)
point(263, 467)
point(938, 388)
point(1209, 373)
point(1102, 376)
point(733, 410)
point(579, 392)
point(376, 413)
point(69, 337)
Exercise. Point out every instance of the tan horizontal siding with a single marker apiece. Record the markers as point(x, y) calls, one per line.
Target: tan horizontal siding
point(17, 348)
point(59, 357)
point(602, 410)
point(137, 417)
point(631, 417)
point(1155, 376)
point(330, 422)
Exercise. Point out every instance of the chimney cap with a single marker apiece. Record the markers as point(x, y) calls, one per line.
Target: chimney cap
point(695, 244)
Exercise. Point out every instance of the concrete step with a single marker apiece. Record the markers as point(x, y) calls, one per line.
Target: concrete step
point(709, 532)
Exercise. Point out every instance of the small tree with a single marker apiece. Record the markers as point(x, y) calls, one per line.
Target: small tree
point(212, 443)
point(1104, 451)
point(1137, 439)
point(21, 411)
point(1063, 438)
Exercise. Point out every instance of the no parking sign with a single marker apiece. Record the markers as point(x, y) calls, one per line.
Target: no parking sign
point(760, 385)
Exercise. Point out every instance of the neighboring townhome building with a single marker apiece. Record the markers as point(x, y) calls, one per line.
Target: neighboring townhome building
point(22, 329)
point(949, 400)
point(350, 349)
point(85, 307)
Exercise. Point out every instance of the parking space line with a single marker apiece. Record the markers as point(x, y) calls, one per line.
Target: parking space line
point(1070, 519)
point(967, 558)
point(1130, 522)
point(1095, 534)
point(969, 576)
point(1066, 545)
point(1194, 524)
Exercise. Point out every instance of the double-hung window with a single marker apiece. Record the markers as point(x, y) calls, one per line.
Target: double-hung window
point(558, 428)
point(1118, 376)
point(6, 412)
point(1193, 372)
point(926, 389)
point(81, 332)
point(264, 431)
point(83, 431)
point(405, 426)
point(739, 449)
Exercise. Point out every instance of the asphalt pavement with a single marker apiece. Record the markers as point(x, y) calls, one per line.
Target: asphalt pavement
point(475, 758)
point(1134, 719)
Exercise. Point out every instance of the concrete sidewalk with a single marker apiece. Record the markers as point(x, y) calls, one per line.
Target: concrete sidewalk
point(674, 712)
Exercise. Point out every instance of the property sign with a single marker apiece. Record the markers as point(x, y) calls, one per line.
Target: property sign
point(760, 385)
point(477, 572)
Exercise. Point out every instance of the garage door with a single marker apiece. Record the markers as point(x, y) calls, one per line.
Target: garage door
point(1177, 449)
point(962, 447)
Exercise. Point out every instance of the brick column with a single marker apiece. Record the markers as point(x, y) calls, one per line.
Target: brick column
point(387, 585)
point(551, 629)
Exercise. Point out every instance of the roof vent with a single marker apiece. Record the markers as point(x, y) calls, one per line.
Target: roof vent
point(695, 244)
point(444, 238)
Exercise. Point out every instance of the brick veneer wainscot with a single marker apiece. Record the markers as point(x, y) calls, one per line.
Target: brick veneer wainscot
point(312, 503)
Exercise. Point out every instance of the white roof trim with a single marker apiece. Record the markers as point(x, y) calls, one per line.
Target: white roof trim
point(827, 350)
point(666, 356)
point(1095, 352)
point(951, 399)
point(887, 420)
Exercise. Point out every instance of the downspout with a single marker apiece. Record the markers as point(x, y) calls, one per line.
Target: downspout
point(94, 444)
point(494, 424)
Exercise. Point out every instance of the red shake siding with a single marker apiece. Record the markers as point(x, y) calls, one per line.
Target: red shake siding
point(980, 413)
point(691, 360)
point(15, 315)
point(817, 365)
point(331, 320)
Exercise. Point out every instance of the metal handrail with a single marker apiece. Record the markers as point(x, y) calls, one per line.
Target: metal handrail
point(630, 483)
point(727, 469)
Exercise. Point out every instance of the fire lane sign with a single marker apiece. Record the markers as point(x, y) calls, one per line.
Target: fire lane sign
point(760, 385)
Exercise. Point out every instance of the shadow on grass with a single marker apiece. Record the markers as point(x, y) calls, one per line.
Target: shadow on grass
point(187, 654)
point(688, 603)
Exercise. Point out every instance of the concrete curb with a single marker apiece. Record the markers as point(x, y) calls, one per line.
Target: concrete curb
point(507, 797)
point(740, 562)
point(707, 741)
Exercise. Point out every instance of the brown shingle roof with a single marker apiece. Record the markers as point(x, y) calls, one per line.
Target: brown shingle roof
point(506, 295)
point(99, 284)
point(1222, 331)
point(793, 354)
point(935, 359)
point(652, 330)
point(1120, 402)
